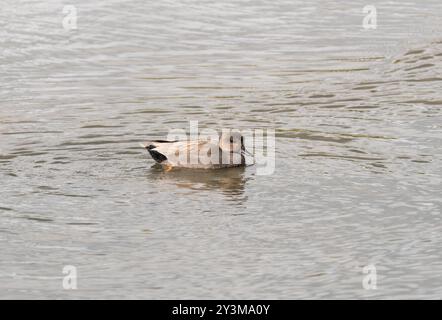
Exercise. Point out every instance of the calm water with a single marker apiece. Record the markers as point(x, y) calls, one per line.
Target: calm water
point(358, 122)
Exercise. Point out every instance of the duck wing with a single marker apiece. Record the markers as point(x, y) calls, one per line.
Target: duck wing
point(171, 152)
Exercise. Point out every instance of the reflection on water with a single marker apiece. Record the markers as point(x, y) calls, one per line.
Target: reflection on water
point(357, 116)
point(231, 181)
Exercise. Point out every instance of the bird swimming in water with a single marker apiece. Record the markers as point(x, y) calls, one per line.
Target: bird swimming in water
point(227, 152)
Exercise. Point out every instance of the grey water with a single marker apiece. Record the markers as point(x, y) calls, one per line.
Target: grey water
point(358, 160)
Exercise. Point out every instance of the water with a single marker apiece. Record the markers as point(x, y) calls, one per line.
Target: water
point(357, 115)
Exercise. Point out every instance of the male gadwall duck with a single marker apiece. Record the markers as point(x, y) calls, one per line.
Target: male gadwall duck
point(202, 153)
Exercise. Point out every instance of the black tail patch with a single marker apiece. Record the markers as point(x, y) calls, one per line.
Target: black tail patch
point(158, 157)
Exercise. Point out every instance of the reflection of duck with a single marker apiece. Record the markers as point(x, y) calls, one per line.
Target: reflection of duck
point(230, 181)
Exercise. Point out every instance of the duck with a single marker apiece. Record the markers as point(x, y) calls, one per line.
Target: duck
point(227, 152)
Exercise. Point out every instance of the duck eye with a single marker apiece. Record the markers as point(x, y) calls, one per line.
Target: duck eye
point(231, 139)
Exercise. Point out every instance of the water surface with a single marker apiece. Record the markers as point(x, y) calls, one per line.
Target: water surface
point(357, 115)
